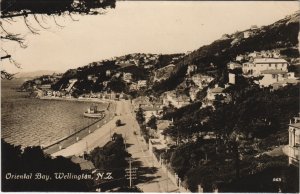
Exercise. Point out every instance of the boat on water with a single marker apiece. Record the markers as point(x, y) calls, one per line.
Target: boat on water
point(93, 112)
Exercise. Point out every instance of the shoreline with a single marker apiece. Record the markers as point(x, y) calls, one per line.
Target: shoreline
point(71, 139)
point(45, 147)
point(67, 141)
point(77, 99)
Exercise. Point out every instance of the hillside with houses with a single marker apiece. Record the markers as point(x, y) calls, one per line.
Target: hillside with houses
point(216, 117)
point(188, 74)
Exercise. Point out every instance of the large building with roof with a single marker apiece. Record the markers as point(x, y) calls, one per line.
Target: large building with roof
point(213, 92)
point(272, 76)
point(151, 111)
point(258, 65)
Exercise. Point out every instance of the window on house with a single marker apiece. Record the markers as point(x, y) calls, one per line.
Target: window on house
point(270, 65)
point(273, 76)
point(297, 140)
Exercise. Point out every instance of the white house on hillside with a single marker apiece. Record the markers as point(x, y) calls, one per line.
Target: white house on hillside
point(127, 77)
point(141, 101)
point(284, 83)
point(142, 83)
point(260, 64)
point(133, 86)
point(151, 111)
point(272, 76)
point(176, 100)
point(213, 92)
point(231, 78)
point(239, 58)
point(191, 69)
point(234, 65)
point(193, 92)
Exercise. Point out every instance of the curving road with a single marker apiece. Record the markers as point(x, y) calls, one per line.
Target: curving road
point(150, 178)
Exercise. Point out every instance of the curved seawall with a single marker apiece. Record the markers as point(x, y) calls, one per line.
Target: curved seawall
point(79, 134)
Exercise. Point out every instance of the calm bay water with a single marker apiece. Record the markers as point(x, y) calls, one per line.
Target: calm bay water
point(26, 121)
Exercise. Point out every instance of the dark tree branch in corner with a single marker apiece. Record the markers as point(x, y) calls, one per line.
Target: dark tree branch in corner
point(23, 8)
point(17, 8)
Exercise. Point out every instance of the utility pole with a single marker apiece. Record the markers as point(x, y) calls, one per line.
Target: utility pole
point(125, 142)
point(130, 175)
point(87, 147)
point(167, 182)
point(130, 172)
point(125, 145)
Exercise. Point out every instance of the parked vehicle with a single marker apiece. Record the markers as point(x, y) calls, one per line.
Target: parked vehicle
point(118, 123)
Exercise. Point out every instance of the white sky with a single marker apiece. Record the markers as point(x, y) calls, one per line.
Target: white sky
point(135, 26)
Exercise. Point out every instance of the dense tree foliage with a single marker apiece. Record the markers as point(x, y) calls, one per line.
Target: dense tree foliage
point(117, 85)
point(216, 165)
point(138, 73)
point(179, 113)
point(253, 112)
point(111, 157)
point(164, 60)
point(152, 122)
point(254, 121)
point(175, 79)
point(34, 160)
point(140, 116)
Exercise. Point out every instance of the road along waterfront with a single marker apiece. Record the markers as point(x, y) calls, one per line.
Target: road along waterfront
point(93, 125)
point(151, 176)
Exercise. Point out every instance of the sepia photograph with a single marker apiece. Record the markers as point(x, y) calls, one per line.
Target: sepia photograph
point(150, 96)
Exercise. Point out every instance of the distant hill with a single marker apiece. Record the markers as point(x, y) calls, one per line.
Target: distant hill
point(34, 74)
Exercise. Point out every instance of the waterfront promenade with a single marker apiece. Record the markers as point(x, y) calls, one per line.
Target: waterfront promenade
point(151, 176)
point(92, 126)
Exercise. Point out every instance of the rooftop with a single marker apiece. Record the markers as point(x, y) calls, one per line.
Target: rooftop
point(201, 76)
point(163, 124)
point(217, 90)
point(269, 60)
point(273, 71)
point(235, 64)
point(151, 108)
point(288, 81)
point(297, 125)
